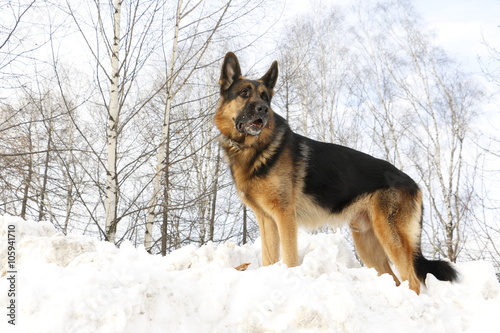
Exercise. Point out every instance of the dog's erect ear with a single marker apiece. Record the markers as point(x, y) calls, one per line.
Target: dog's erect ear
point(271, 76)
point(230, 71)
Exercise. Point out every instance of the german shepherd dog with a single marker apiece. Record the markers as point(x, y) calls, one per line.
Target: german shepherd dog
point(290, 180)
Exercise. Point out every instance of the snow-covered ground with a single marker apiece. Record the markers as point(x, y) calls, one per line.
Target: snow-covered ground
point(78, 284)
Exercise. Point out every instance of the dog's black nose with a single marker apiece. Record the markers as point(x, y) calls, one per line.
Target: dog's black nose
point(261, 108)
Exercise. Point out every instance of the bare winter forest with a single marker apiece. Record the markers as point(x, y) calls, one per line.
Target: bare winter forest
point(106, 114)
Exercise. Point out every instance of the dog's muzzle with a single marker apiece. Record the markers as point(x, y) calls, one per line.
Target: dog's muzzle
point(254, 120)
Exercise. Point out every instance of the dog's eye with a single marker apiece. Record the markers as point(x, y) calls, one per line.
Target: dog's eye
point(245, 93)
point(264, 96)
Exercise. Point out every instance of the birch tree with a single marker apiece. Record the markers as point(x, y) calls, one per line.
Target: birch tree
point(111, 201)
point(195, 26)
point(171, 90)
point(127, 47)
point(162, 159)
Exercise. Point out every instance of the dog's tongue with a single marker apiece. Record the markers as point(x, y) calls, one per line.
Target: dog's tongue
point(257, 123)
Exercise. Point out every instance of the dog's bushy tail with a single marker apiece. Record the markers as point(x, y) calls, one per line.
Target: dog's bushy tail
point(442, 270)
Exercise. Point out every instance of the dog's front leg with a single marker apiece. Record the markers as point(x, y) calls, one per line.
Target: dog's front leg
point(269, 238)
point(287, 228)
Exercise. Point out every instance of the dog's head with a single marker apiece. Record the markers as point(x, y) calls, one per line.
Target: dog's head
point(245, 105)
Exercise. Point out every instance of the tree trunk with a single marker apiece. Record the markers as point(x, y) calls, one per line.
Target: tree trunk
point(244, 224)
point(28, 178)
point(214, 198)
point(27, 185)
point(162, 160)
point(111, 202)
point(164, 225)
point(69, 158)
point(45, 177)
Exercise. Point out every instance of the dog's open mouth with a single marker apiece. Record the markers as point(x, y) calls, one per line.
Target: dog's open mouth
point(252, 127)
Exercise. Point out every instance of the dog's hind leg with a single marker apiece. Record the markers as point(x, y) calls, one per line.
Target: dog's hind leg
point(396, 223)
point(372, 253)
point(401, 252)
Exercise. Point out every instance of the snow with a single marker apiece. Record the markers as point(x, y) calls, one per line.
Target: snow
point(79, 284)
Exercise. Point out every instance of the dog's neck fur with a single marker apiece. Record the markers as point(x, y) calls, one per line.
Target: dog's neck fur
point(230, 143)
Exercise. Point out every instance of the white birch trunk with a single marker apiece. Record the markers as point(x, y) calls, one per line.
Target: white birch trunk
point(111, 202)
point(161, 155)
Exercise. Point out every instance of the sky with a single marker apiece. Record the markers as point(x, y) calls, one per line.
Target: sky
point(461, 25)
point(461, 28)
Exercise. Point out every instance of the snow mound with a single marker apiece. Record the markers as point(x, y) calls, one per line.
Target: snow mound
point(78, 284)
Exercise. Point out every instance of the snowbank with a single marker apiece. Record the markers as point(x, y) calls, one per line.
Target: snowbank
point(78, 284)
